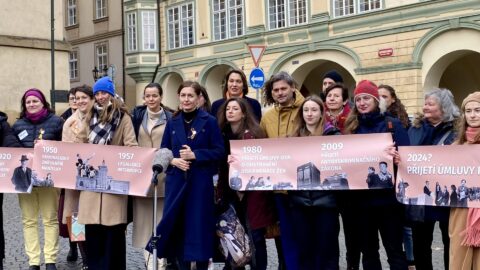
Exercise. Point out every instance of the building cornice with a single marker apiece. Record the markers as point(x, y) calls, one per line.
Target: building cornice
point(32, 43)
point(96, 37)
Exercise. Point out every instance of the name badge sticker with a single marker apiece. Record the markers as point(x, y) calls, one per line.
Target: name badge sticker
point(22, 135)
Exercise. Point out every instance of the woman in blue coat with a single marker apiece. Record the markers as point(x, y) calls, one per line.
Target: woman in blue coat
point(187, 228)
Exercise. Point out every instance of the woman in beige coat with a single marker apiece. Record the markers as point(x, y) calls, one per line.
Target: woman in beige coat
point(149, 123)
point(105, 215)
point(75, 130)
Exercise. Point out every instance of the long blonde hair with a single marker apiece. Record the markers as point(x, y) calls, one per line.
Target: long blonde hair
point(107, 113)
point(301, 126)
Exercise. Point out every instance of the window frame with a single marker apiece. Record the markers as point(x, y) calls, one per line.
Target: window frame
point(75, 62)
point(356, 4)
point(152, 36)
point(74, 15)
point(98, 11)
point(180, 23)
point(104, 54)
point(227, 10)
point(132, 33)
point(287, 7)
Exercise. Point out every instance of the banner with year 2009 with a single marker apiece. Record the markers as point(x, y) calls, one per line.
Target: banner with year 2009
point(93, 167)
point(15, 170)
point(312, 163)
point(444, 175)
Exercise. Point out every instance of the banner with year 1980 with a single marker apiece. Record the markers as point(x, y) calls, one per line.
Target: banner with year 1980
point(15, 170)
point(445, 175)
point(93, 167)
point(312, 163)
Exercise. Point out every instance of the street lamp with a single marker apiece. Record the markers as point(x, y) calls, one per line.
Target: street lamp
point(95, 73)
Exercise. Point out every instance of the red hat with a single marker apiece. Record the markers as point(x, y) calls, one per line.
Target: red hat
point(366, 87)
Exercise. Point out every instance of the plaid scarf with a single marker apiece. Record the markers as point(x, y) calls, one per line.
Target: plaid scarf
point(102, 133)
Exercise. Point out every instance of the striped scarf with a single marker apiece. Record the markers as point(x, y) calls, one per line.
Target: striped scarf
point(102, 133)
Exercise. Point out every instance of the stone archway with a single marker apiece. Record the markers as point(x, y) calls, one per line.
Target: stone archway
point(450, 64)
point(213, 80)
point(170, 83)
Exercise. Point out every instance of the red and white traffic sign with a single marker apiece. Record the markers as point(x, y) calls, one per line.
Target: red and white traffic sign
point(257, 52)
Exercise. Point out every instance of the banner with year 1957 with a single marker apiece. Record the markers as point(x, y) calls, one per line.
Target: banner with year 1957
point(444, 175)
point(312, 163)
point(15, 170)
point(93, 167)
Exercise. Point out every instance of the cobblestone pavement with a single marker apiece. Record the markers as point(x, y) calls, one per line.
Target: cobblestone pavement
point(17, 259)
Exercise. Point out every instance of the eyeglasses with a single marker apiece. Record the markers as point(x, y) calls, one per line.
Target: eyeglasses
point(71, 98)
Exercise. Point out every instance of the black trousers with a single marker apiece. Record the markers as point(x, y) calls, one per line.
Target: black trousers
point(422, 234)
point(316, 230)
point(350, 216)
point(106, 247)
point(388, 220)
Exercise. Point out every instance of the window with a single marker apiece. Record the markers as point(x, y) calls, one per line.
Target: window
point(227, 18)
point(101, 55)
point(284, 13)
point(71, 12)
point(131, 32)
point(73, 65)
point(148, 29)
point(349, 7)
point(181, 26)
point(100, 9)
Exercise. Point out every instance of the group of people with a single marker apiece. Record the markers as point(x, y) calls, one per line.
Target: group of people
point(304, 224)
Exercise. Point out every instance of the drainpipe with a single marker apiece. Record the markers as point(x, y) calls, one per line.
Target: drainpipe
point(52, 51)
point(159, 43)
point(123, 55)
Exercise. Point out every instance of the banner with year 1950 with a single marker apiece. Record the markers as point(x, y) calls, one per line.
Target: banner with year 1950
point(443, 175)
point(93, 167)
point(312, 163)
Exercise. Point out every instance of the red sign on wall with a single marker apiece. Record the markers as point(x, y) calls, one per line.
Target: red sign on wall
point(385, 52)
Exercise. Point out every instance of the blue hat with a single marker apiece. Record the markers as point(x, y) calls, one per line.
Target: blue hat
point(104, 84)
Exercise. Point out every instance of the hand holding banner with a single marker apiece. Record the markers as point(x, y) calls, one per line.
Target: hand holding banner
point(93, 167)
point(312, 163)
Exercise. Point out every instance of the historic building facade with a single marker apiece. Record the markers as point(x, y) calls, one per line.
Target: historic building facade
point(25, 51)
point(413, 45)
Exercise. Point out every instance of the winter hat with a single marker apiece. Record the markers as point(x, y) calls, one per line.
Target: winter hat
point(475, 96)
point(334, 75)
point(104, 84)
point(36, 93)
point(366, 87)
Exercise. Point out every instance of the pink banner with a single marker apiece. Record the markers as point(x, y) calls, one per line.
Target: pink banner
point(15, 170)
point(99, 168)
point(312, 163)
point(439, 175)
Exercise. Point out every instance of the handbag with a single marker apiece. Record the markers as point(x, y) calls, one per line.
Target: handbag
point(234, 241)
point(75, 229)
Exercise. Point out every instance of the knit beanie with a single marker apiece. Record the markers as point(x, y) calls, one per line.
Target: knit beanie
point(104, 84)
point(475, 96)
point(366, 87)
point(334, 75)
point(36, 93)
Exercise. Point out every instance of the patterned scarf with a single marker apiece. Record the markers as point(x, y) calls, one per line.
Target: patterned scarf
point(102, 133)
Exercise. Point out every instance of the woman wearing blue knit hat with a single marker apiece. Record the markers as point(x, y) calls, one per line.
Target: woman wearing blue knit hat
point(105, 215)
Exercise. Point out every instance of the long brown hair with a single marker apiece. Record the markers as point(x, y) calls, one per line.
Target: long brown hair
point(197, 88)
point(249, 122)
point(301, 127)
point(117, 104)
point(397, 109)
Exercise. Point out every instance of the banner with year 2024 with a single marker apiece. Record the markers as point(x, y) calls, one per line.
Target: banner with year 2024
point(93, 167)
point(445, 175)
point(312, 163)
point(15, 170)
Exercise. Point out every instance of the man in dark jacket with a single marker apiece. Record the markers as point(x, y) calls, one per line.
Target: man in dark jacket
point(22, 176)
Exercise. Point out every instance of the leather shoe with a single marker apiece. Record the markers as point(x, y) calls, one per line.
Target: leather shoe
point(50, 266)
point(34, 267)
